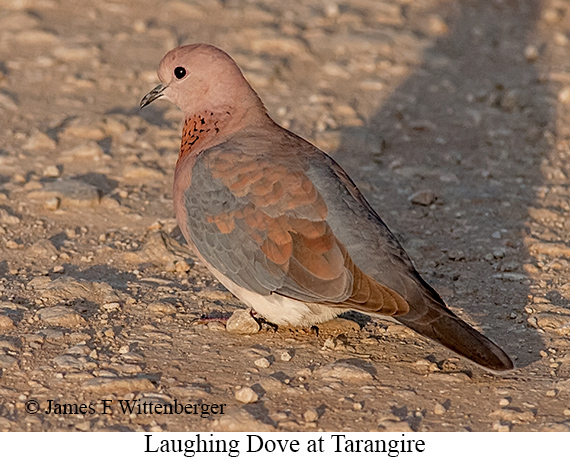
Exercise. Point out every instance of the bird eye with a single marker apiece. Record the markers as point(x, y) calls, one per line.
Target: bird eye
point(179, 72)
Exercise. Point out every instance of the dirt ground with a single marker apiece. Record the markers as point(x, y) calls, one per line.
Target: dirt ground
point(452, 117)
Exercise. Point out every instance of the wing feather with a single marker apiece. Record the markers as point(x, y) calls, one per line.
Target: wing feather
point(264, 224)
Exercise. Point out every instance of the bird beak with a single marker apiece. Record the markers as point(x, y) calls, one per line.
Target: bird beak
point(157, 92)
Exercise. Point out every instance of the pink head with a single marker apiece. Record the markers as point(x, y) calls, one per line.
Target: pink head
point(201, 77)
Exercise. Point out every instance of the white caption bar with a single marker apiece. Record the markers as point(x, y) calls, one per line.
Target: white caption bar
point(201, 444)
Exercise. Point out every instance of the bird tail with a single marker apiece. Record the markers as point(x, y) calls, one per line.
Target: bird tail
point(434, 320)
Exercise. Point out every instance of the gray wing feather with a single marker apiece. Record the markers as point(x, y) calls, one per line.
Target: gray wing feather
point(236, 254)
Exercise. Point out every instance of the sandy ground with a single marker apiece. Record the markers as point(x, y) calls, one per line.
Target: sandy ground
point(463, 105)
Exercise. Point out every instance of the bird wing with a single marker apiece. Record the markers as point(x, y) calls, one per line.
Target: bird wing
point(258, 219)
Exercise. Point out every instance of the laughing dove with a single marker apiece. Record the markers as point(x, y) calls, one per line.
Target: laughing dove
point(280, 224)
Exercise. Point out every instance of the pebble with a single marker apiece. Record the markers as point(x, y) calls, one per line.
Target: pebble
point(39, 141)
point(551, 249)
point(343, 371)
point(51, 334)
point(394, 426)
point(338, 326)
point(531, 52)
point(36, 37)
point(262, 362)
point(499, 253)
point(286, 356)
point(508, 276)
point(68, 288)
point(11, 244)
point(78, 349)
point(504, 402)
point(239, 420)
point(499, 427)
point(437, 25)
point(561, 39)
point(310, 415)
point(439, 409)
point(51, 171)
point(7, 218)
point(449, 377)
point(552, 15)
point(83, 426)
point(6, 323)
point(137, 173)
point(277, 46)
point(242, 322)
point(189, 392)
point(181, 266)
point(69, 192)
point(41, 248)
point(114, 126)
point(455, 255)
point(15, 21)
point(183, 9)
point(423, 197)
point(7, 102)
point(555, 427)
point(117, 385)
point(513, 415)
point(84, 129)
point(158, 249)
point(11, 343)
point(72, 54)
point(161, 308)
point(555, 323)
point(61, 316)
point(132, 357)
point(7, 361)
point(214, 294)
point(564, 95)
point(86, 151)
point(246, 395)
point(52, 203)
point(216, 326)
point(6, 424)
point(271, 384)
point(113, 306)
point(69, 362)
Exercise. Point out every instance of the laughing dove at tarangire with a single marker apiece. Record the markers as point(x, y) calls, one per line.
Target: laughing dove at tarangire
point(280, 223)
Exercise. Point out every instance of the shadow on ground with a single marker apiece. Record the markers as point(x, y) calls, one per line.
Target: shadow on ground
point(469, 124)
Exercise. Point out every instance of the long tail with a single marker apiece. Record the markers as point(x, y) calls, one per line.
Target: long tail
point(432, 318)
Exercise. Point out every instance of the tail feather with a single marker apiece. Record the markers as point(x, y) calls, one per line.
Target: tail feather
point(438, 323)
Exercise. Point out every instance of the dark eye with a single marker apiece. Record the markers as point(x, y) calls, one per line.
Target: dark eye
point(179, 72)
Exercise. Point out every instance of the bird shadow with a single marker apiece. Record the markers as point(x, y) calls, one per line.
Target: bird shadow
point(459, 126)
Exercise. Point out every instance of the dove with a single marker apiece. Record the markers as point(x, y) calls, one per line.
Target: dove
point(280, 224)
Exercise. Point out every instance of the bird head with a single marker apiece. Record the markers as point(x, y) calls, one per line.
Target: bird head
point(201, 77)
